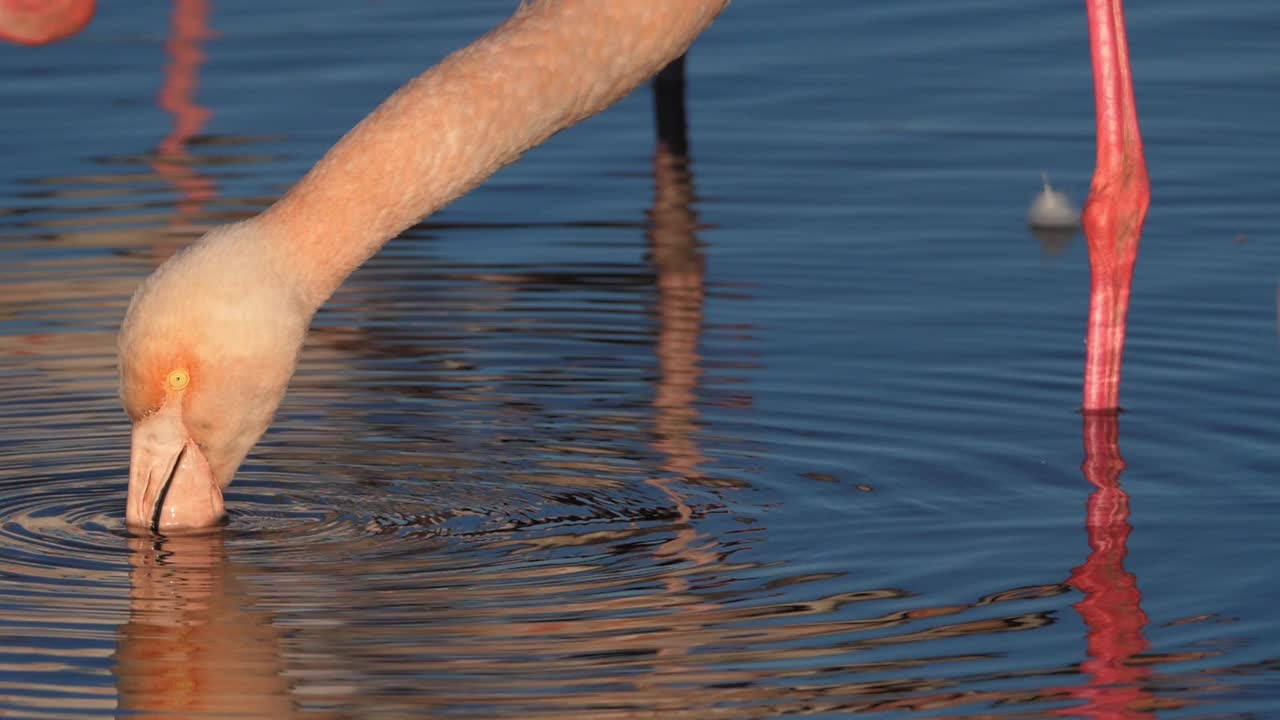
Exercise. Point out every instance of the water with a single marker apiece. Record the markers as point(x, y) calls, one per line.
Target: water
point(791, 431)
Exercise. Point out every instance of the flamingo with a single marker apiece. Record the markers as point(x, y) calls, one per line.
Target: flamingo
point(211, 339)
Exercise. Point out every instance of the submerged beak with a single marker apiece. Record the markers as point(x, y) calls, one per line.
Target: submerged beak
point(171, 486)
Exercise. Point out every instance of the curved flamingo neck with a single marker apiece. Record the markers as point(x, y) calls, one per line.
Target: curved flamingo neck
point(552, 64)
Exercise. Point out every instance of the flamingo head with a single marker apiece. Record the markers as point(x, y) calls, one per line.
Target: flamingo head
point(206, 351)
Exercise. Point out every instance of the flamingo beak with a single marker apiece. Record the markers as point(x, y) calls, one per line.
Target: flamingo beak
point(171, 485)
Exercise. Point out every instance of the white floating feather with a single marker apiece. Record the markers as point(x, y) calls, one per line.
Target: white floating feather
point(1052, 209)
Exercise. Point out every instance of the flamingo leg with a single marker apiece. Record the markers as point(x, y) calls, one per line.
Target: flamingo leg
point(669, 116)
point(1117, 205)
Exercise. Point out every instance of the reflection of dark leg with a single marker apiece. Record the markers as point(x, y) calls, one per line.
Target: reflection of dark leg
point(678, 267)
point(668, 108)
point(678, 273)
point(673, 247)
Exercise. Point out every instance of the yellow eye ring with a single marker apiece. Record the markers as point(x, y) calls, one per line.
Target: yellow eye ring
point(178, 379)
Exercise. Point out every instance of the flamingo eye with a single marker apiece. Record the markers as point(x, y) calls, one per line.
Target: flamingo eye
point(177, 380)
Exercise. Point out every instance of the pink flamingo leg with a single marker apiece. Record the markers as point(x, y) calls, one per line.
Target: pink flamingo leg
point(1117, 206)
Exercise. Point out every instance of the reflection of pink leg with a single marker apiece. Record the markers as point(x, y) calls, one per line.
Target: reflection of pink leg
point(177, 96)
point(1111, 607)
point(1117, 205)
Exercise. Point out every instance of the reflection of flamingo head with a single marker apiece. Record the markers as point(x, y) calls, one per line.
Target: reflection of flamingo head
point(39, 22)
point(206, 351)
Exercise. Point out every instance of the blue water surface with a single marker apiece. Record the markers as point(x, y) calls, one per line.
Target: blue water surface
point(789, 429)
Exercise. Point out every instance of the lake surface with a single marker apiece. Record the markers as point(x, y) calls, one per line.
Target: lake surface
point(790, 429)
